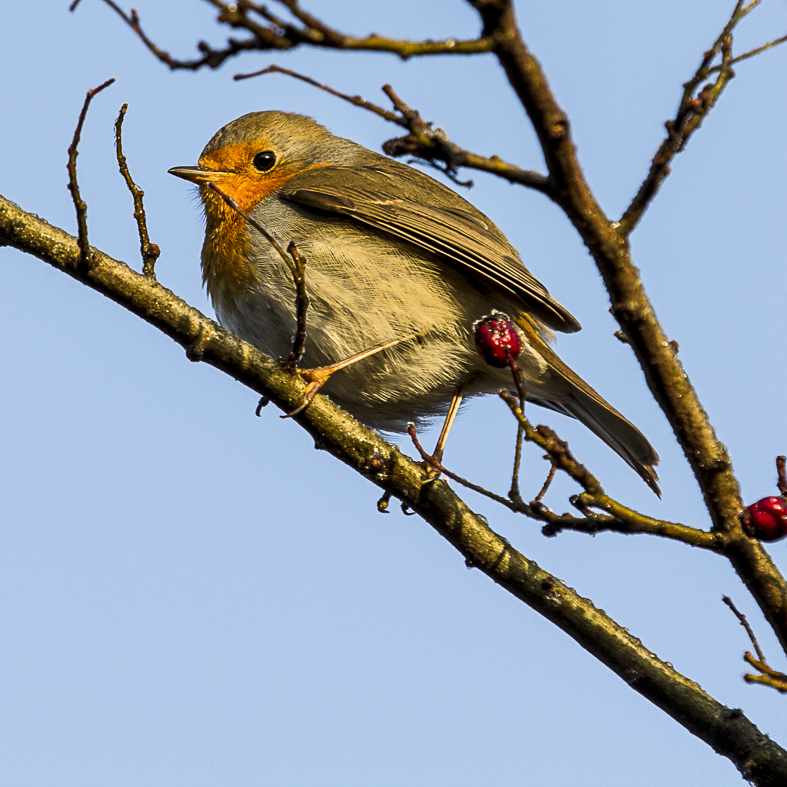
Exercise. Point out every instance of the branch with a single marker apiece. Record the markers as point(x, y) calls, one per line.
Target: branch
point(620, 520)
point(691, 112)
point(279, 35)
point(729, 732)
point(666, 378)
point(424, 142)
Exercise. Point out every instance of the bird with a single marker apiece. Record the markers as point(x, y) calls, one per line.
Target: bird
point(393, 259)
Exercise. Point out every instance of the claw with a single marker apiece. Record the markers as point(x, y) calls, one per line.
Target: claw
point(316, 379)
point(320, 375)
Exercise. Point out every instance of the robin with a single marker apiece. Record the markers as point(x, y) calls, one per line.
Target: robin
point(394, 260)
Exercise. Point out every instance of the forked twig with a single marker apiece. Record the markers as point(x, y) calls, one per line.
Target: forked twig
point(429, 459)
point(768, 676)
point(691, 112)
point(432, 145)
point(280, 35)
point(73, 185)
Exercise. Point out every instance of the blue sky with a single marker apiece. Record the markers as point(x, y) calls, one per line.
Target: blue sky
point(192, 595)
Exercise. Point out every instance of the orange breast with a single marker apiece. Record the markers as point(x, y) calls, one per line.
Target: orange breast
point(227, 271)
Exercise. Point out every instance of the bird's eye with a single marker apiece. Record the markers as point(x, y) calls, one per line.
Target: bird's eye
point(264, 161)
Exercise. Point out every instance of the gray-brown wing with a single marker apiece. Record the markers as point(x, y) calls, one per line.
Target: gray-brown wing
point(458, 236)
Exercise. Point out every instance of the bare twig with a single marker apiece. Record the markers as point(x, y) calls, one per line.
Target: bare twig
point(514, 492)
point(297, 265)
point(557, 449)
point(437, 465)
point(519, 382)
point(316, 33)
point(616, 518)
point(745, 623)
point(212, 58)
point(620, 519)
point(150, 251)
point(301, 306)
point(540, 496)
point(753, 52)
point(781, 472)
point(73, 185)
point(424, 142)
point(254, 223)
point(691, 112)
point(357, 101)
point(768, 676)
point(279, 35)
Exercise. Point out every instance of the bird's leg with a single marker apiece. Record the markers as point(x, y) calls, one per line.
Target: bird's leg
point(320, 375)
point(433, 463)
point(453, 409)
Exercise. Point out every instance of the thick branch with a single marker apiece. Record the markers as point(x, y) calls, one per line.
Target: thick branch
point(729, 732)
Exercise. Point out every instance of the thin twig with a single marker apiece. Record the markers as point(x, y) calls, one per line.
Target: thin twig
point(212, 58)
point(768, 676)
point(519, 382)
point(301, 307)
point(620, 519)
point(753, 52)
point(429, 459)
point(691, 112)
point(424, 142)
point(557, 449)
point(540, 496)
point(73, 185)
point(745, 623)
point(150, 251)
point(357, 101)
point(254, 223)
point(297, 265)
point(781, 472)
point(514, 492)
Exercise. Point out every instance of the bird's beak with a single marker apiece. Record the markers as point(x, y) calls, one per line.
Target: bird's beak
point(197, 174)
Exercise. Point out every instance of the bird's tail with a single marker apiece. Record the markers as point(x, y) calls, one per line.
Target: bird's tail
point(571, 395)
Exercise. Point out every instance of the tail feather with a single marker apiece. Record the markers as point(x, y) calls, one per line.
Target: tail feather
point(616, 431)
point(569, 394)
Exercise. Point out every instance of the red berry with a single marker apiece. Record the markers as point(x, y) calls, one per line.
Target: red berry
point(497, 340)
point(768, 518)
